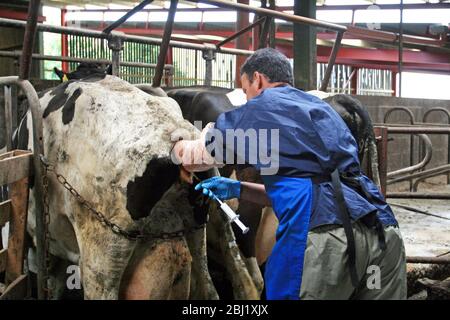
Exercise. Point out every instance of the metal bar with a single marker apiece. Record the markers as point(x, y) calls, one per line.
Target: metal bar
point(409, 208)
point(36, 113)
point(126, 37)
point(412, 120)
point(209, 56)
point(426, 173)
point(429, 175)
point(414, 130)
point(240, 32)
point(165, 44)
point(72, 59)
point(426, 159)
point(381, 135)
point(8, 118)
point(262, 43)
point(331, 60)
point(428, 260)
point(29, 38)
point(415, 6)
point(274, 14)
point(127, 15)
point(418, 195)
point(447, 112)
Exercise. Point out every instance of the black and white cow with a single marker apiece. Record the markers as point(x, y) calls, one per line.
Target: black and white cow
point(112, 142)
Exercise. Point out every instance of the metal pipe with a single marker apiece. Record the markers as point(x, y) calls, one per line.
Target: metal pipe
point(412, 120)
point(418, 195)
point(426, 159)
point(418, 211)
point(427, 176)
point(29, 39)
point(8, 118)
point(127, 15)
point(126, 37)
point(428, 260)
point(413, 130)
point(165, 44)
point(331, 60)
point(274, 14)
point(355, 31)
point(240, 32)
point(209, 56)
point(447, 112)
point(36, 114)
point(433, 171)
point(15, 54)
point(415, 6)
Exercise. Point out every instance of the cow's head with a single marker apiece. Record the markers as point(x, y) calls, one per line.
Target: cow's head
point(82, 71)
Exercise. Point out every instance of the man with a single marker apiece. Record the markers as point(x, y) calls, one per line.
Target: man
point(337, 238)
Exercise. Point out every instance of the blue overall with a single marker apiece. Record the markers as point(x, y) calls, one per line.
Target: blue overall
point(313, 142)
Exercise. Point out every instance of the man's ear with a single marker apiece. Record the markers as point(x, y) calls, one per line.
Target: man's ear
point(258, 77)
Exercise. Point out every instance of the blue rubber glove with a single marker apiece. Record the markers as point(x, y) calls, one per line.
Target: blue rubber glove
point(223, 188)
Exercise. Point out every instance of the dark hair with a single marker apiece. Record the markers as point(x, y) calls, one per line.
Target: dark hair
point(270, 62)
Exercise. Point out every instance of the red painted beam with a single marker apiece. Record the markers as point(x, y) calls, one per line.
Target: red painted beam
point(64, 43)
point(17, 15)
point(356, 57)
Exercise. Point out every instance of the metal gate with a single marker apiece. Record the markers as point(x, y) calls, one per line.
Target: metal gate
point(93, 48)
point(375, 82)
point(189, 68)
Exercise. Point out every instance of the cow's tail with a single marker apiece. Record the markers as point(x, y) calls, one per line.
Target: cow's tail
point(370, 143)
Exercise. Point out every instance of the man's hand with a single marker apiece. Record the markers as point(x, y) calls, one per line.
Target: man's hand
point(223, 188)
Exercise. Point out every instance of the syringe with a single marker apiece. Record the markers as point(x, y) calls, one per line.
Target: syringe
point(231, 214)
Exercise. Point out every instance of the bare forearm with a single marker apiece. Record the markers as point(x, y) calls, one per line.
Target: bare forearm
point(256, 193)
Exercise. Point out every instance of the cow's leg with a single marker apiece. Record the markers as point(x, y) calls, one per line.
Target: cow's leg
point(104, 256)
point(202, 286)
point(241, 280)
point(158, 271)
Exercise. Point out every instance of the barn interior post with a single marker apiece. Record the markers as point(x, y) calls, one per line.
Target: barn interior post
point(331, 60)
point(165, 44)
point(29, 39)
point(305, 51)
point(127, 15)
point(115, 43)
point(209, 55)
point(243, 42)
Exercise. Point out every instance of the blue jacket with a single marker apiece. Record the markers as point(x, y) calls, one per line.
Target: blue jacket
point(313, 141)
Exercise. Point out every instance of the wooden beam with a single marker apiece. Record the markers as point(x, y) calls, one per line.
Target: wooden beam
point(14, 165)
point(3, 258)
point(17, 226)
point(5, 209)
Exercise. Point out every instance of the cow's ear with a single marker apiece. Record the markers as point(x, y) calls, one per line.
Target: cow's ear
point(61, 75)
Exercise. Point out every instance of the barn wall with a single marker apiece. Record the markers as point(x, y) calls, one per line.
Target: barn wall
point(398, 150)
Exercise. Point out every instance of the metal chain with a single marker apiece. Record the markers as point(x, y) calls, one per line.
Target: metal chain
point(130, 235)
point(47, 286)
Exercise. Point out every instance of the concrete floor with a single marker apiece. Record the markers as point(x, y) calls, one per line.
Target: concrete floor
point(424, 235)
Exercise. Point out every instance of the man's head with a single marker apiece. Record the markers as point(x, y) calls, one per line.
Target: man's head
point(266, 68)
